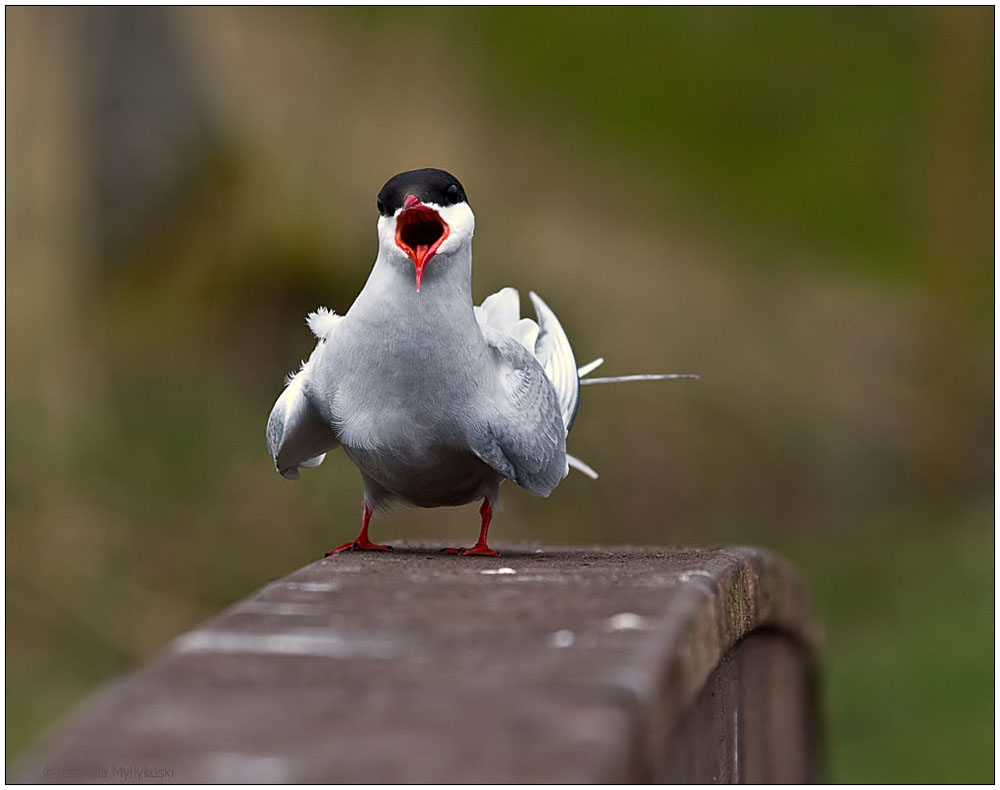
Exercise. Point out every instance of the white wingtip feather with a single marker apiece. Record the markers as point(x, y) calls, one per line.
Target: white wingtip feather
point(554, 351)
point(527, 333)
point(580, 466)
point(503, 310)
point(590, 367)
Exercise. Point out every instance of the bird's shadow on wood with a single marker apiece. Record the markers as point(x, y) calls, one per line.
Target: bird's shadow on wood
point(435, 550)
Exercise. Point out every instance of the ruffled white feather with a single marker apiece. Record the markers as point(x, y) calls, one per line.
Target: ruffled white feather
point(322, 322)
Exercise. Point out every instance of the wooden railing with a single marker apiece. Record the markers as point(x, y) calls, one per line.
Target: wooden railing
point(551, 664)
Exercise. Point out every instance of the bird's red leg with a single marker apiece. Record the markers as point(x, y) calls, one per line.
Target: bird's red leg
point(480, 549)
point(361, 542)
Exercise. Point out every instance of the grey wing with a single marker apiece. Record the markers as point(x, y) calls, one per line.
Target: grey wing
point(546, 340)
point(296, 434)
point(523, 436)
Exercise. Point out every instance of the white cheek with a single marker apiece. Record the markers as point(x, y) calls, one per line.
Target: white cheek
point(461, 224)
point(387, 234)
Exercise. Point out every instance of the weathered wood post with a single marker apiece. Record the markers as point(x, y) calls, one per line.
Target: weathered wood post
point(549, 665)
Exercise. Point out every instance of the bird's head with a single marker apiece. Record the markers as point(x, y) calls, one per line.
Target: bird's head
point(424, 216)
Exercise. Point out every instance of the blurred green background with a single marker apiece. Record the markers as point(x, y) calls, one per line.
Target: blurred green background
point(795, 203)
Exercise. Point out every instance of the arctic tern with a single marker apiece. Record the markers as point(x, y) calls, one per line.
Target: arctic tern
point(434, 399)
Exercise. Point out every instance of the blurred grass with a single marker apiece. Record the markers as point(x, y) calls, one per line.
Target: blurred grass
point(756, 179)
point(801, 123)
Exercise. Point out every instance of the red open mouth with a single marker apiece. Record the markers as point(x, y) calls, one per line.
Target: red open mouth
point(420, 231)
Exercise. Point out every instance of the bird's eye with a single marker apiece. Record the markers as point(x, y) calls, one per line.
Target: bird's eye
point(381, 208)
point(452, 193)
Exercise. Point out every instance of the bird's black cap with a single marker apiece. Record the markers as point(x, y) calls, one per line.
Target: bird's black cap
point(430, 185)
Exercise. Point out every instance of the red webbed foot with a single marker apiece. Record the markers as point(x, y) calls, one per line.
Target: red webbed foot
point(358, 545)
point(361, 542)
point(480, 549)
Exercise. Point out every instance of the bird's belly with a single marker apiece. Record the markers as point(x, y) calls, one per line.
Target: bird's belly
point(424, 475)
point(407, 429)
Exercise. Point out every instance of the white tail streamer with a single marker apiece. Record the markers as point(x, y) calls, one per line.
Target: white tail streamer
point(640, 377)
point(581, 466)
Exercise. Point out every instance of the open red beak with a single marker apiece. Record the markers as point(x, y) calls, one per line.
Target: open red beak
point(420, 231)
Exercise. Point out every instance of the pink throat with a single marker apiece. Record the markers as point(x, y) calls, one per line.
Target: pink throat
point(420, 232)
